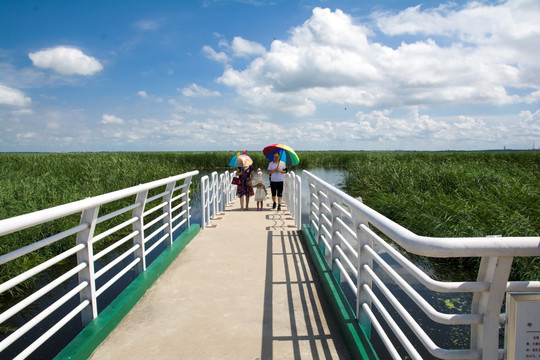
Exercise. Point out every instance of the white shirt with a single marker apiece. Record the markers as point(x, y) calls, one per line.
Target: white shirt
point(277, 176)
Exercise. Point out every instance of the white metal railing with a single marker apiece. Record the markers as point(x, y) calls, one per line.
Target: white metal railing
point(293, 197)
point(167, 211)
point(216, 193)
point(345, 227)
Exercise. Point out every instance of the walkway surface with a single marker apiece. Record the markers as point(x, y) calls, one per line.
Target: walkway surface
point(242, 289)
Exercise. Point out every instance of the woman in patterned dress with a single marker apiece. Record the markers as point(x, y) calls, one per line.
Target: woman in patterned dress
point(245, 174)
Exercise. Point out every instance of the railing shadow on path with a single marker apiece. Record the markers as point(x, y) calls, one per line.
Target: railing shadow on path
point(295, 310)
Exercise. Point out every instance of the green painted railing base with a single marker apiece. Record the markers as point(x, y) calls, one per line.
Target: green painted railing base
point(356, 340)
point(92, 335)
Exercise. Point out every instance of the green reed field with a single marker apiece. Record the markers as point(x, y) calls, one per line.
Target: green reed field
point(458, 194)
point(432, 194)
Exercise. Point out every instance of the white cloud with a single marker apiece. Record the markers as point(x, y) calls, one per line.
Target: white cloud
point(142, 94)
point(111, 119)
point(13, 97)
point(66, 61)
point(196, 90)
point(245, 48)
point(331, 59)
point(210, 53)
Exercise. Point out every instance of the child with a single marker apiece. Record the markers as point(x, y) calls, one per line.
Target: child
point(260, 192)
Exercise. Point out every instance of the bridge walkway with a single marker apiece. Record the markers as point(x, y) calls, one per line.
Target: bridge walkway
point(244, 288)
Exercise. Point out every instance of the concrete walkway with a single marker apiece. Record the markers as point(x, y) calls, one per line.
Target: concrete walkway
point(242, 289)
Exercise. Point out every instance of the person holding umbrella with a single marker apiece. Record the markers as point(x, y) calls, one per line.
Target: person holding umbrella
point(245, 173)
point(276, 171)
point(281, 156)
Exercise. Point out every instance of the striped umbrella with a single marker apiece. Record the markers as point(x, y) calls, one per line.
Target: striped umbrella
point(286, 154)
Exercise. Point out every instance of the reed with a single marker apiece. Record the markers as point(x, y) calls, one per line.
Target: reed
point(455, 195)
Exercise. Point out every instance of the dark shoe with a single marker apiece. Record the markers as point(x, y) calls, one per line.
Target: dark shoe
point(274, 206)
point(279, 207)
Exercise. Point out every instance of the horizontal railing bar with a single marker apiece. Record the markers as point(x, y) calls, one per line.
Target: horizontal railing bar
point(156, 244)
point(109, 216)
point(38, 294)
point(325, 218)
point(10, 225)
point(346, 227)
point(347, 261)
point(182, 213)
point(382, 334)
point(344, 272)
point(321, 193)
point(433, 348)
point(432, 313)
point(110, 248)
point(326, 208)
point(326, 243)
point(157, 231)
point(433, 246)
point(430, 283)
point(184, 185)
point(349, 246)
point(113, 263)
point(157, 196)
point(155, 208)
point(112, 230)
point(411, 350)
point(42, 243)
point(178, 206)
point(39, 317)
point(325, 230)
point(146, 226)
point(178, 197)
point(49, 333)
point(342, 209)
point(178, 225)
point(315, 225)
point(38, 268)
point(523, 286)
point(116, 277)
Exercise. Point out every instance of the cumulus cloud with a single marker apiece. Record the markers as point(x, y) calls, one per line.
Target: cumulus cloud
point(13, 97)
point(66, 61)
point(111, 120)
point(245, 48)
point(142, 94)
point(331, 58)
point(196, 90)
point(210, 53)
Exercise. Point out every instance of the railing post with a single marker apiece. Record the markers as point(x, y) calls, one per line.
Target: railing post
point(86, 255)
point(221, 193)
point(298, 197)
point(205, 209)
point(168, 209)
point(485, 336)
point(187, 182)
point(214, 187)
point(334, 241)
point(138, 226)
point(364, 258)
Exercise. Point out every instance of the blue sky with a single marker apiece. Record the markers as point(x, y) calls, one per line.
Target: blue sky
point(233, 75)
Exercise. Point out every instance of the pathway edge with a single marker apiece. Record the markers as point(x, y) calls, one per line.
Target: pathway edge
point(356, 340)
point(84, 344)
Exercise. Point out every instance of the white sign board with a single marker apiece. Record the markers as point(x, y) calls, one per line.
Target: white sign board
point(523, 326)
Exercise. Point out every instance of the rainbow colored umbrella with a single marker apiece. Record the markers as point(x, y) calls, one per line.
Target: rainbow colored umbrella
point(286, 154)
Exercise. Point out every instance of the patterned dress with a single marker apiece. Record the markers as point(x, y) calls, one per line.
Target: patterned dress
point(244, 188)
